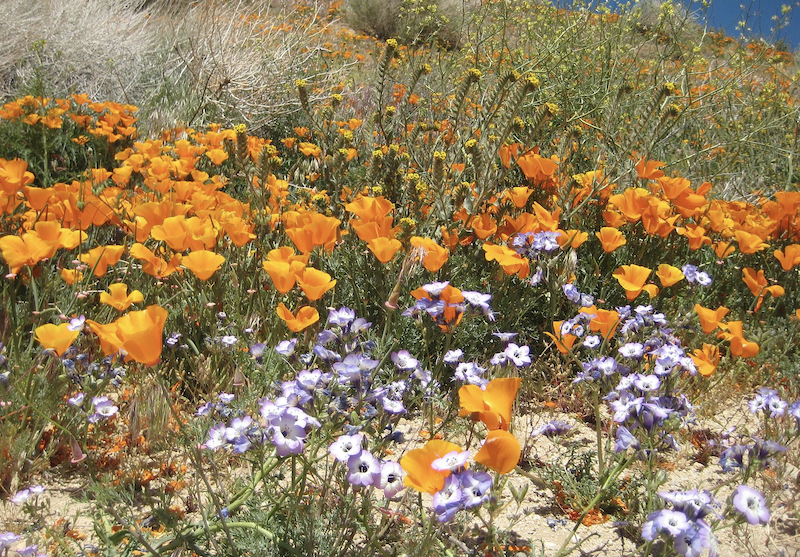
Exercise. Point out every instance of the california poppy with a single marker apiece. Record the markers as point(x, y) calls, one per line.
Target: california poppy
point(306, 316)
point(788, 257)
point(434, 256)
point(141, 334)
point(491, 406)
point(420, 475)
point(154, 265)
point(56, 337)
point(706, 359)
point(283, 273)
point(564, 342)
point(25, 251)
point(649, 170)
point(749, 243)
point(118, 297)
point(605, 321)
point(696, 235)
point(734, 333)
point(384, 248)
point(669, 275)
point(314, 283)
point(203, 263)
point(509, 259)
point(500, 452)
point(101, 258)
point(632, 278)
point(610, 238)
point(710, 318)
point(631, 203)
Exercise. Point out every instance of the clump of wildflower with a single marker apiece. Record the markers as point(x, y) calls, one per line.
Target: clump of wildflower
point(684, 524)
point(695, 275)
point(448, 305)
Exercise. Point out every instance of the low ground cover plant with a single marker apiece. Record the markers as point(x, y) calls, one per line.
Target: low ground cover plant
point(399, 311)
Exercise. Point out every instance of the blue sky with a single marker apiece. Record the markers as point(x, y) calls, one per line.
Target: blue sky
point(727, 13)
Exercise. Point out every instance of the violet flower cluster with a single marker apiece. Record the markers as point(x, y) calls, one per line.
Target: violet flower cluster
point(337, 379)
point(685, 523)
point(641, 381)
point(539, 248)
point(445, 312)
point(471, 373)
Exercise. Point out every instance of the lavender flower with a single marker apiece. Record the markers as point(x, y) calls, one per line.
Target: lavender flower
point(751, 504)
point(363, 469)
point(448, 500)
point(346, 446)
point(390, 479)
point(519, 355)
point(552, 429)
point(475, 487)
point(452, 461)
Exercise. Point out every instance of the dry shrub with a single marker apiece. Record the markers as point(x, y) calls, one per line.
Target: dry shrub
point(190, 62)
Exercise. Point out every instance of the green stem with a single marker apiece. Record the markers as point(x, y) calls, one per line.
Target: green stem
point(621, 465)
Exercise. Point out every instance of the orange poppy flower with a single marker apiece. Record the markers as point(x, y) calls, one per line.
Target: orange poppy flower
point(71, 276)
point(107, 334)
point(572, 238)
point(314, 283)
point(283, 273)
point(508, 150)
point(52, 234)
point(789, 257)
point(749, 243)
point(309, 149)
point(669, 275)
point(311, 229)
point(57, 338)
point(649, 170)
point(658, 220)
point(610, 238)
point(141, 334)
point(710, 318)
point(118, 298)
point(632, 278)
point(20, 252)
point(420, 475)
point(491, 406)
point(154, 265)
point(518, 196)
point(706, 360)
point(696, 235)
point(384, 248)
point(757, 284)
point(500, 452)
point(508, 259)
point(306, 316)
point(483, 226)
point(674, 187)
point(369, 208)
point(217, 156)
point(203, 263)
point(434, 256)
point(734, 333)
point(564, 343)
point(101, 258)
point(723, 249)
point(631, 203)
point(536, 168)
point(287, 255)
point(14, 176)
point(605, 321)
